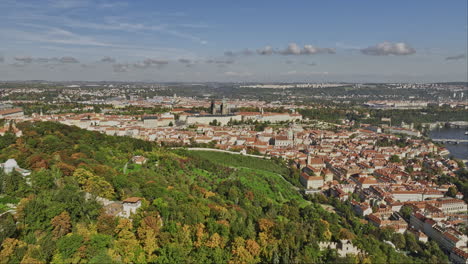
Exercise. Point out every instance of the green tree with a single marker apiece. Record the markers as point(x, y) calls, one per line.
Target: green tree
point(395, 158)
point(7, 226)
point(452, 191)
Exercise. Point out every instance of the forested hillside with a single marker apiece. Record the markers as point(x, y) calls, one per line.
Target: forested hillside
point(197, 207)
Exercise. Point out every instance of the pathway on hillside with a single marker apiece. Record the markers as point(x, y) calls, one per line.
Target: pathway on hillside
point(226, 151)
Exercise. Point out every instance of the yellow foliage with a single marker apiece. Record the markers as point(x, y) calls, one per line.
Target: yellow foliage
point(244, 251)
point(8, 247)
point(209, 194)
point(265, 224)
point(200, 233)
point(214, 241)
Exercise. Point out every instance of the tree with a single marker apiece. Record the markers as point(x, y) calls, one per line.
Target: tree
point(399, 240)
point(62, 224)
point(126, 245)
point(394, 158)
point(244, 251)
point(452, 191)
point(147, 233)
point(106, 224)
point(406, 211)
point(67, 246)
point(7, 139)
point(411, 243)
point(8, 248)
point(7, 226)
point(42, 180)
point(94, 184)
point(346, 234)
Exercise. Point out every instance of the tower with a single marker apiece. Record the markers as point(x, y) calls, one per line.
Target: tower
point(290, 134)
point(224, 108)
point(213, 107)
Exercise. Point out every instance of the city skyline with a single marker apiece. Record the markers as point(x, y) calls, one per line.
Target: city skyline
point(210, 41)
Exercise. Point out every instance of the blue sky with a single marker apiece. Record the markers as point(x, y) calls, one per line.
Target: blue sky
point(268, 41)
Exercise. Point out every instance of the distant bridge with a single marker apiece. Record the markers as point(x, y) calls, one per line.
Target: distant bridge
point(450, 140)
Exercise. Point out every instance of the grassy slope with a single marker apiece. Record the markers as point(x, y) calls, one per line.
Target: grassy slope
point(263, 176)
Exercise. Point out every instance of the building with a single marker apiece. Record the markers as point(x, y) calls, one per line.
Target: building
point(161, 120)
point(11, 113)
point(130, 206)
point(223, 108)
point(311, 182)
point(11, 165)
point(139, 160)
point(458, 256)
point(282, 141)
point(207, 119)
point(446, 236)
point(404, 131)
point(451, 205)
point(343, 248)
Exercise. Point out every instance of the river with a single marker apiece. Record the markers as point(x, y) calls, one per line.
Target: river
point(459, 151)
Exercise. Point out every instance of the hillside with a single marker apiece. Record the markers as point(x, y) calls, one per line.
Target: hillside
point(197, 207)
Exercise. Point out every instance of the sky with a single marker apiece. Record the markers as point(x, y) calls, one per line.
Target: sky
point(234, 41)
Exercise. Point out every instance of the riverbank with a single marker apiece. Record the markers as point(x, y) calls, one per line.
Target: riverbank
point(459, 151)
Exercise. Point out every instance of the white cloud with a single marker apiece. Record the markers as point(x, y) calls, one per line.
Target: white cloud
point(238, 74)
point(53, 35)
point(292, 49)
point(388, 48)
point(267, 50)
point(309, 49)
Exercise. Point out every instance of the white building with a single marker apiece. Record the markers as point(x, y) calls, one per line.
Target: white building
point(207, 119)
point(11, 165)
point(130, 206)
point(311, 182)
point(343, 248)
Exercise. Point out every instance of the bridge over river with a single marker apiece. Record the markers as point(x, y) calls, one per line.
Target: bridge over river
point(450, 140)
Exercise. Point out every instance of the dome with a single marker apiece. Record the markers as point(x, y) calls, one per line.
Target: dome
point(11, 163)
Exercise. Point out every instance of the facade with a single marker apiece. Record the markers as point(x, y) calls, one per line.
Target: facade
point(11, 165)
point(130, 206)
point(207, 119)
point(311, 182)
point(139, 160)
point(11, 113)
point(404, 131)
point(450, 205)
point(458, 256)
point(343, 248)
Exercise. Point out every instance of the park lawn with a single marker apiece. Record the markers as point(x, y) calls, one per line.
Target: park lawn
point(232, 160)
point(261, 175)
point(270, 185)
